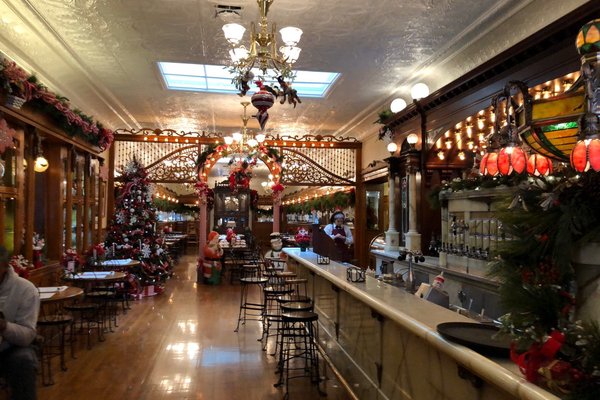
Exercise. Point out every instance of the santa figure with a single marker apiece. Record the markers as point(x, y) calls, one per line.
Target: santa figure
point(211, 269)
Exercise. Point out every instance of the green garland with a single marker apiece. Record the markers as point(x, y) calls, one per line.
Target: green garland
point(548, 218)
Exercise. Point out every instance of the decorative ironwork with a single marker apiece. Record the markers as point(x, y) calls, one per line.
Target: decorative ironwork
point(302, 170)
point(166, 132)
point(179, 166)
point(311, 138)
point(145, 153)
point(341, 162)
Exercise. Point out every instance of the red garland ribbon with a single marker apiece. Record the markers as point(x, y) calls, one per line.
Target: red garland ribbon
point(537, 356)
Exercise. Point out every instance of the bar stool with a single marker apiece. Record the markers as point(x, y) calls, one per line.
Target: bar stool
point(298, 348)
point(53, 329)
point(103, 298)
point(300, 293)
point(256, 308)
point(278, 286)
point(86, 317)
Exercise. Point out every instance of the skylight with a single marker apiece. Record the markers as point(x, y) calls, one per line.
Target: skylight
point(217, 79)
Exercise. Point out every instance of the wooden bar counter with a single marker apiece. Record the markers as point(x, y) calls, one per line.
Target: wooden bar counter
point(384, 344)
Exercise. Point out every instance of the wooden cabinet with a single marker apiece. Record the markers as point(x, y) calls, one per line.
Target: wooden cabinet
point(11, 193)
point(231, 209)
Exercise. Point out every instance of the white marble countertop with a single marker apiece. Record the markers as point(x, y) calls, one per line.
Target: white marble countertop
point(421, 318)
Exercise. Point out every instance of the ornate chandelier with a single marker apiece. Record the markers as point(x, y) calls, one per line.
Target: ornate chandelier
point(262, 52)
point(244, 142)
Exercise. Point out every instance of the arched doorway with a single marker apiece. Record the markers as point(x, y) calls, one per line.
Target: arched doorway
point(309, 161)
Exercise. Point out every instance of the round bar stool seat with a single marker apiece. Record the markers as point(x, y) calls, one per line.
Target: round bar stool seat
point(299, 316)
point(295, 306)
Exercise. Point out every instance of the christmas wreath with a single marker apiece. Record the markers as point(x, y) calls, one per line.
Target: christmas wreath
point(549, 218)
point(240, 173)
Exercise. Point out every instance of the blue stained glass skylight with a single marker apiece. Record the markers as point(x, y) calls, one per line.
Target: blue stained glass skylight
point(217, 79)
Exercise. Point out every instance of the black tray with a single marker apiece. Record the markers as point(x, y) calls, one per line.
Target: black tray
point(482, 338)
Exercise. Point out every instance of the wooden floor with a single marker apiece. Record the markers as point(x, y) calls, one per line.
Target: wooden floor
point(180, 345)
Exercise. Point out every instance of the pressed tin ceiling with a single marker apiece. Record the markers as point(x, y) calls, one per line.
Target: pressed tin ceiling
point(103, 54)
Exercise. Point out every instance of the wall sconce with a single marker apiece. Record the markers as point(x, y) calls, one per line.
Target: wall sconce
point(440, 155)
point(392, 148)
point(412, 140)
point(419, 91)
point(461, 155)
point(397, 105)
point(40, 164)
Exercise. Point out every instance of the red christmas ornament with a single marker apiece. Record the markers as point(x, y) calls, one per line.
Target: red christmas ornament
point(586, 155)
point(511, 159)
point(489, 164)
point(539, 165)
point(262, 100)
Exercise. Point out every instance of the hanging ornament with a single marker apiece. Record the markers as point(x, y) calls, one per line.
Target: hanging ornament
point(262, 100)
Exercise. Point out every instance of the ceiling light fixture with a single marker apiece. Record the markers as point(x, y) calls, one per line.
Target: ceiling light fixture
point(243, 142)
point(41, 163)
point(419, 91)
point(397, 105)
point(392, 148)
point(262, 52)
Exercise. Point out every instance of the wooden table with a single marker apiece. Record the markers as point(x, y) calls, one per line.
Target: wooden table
point(97, 277)
point(69, 293)
point(113, 264)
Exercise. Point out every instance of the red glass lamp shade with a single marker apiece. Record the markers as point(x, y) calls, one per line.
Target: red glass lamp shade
point(586, 155)
point(489, 164)
point(512, 159)
point(539, 165)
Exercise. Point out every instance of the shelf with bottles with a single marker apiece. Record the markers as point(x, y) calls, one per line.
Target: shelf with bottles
point(470, 231)
point(319, 217)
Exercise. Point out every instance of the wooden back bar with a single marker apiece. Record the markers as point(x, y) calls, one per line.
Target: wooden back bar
point(325, 246)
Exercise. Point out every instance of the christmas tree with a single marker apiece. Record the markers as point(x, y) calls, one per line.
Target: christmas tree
point(132, 230)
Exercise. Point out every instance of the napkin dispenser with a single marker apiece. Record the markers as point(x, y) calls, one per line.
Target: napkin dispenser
point(355, 274)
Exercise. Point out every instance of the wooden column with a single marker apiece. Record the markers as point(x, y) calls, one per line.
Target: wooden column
point(55, 223)
point(360, 215)
point(110, 189)
point(30, 198)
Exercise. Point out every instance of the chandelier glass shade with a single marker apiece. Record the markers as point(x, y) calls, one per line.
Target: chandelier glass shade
point(262, 51)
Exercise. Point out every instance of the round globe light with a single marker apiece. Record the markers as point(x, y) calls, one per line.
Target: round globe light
point(392, 147)
point(419, 91)
point(412, 139)
point(397, 105)
point(41, 164)
point(228, 140)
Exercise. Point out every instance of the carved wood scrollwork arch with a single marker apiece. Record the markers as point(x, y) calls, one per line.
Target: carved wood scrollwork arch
point(300, 170)
point(178, 166)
